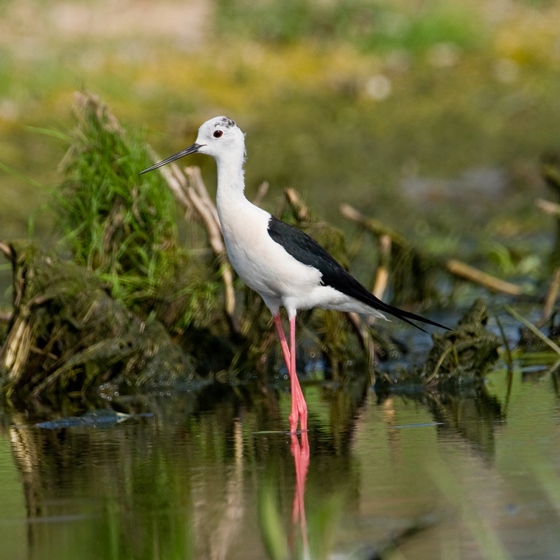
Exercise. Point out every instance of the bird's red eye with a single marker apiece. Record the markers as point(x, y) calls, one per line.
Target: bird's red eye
point(218, 133)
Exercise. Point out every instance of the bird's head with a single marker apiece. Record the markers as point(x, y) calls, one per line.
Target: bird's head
point(219, 137)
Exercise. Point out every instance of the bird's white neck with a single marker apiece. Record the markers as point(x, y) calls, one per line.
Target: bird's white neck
point(237, 215)
point(231, 182)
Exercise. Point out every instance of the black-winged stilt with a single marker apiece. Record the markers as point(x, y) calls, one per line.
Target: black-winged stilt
point(281, 263)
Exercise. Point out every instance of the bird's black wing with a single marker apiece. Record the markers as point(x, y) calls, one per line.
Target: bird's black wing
point(306, 250)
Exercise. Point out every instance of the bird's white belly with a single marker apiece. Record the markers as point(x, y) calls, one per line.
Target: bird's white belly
point(282, 280)
point(266, 267)
point(263, 264)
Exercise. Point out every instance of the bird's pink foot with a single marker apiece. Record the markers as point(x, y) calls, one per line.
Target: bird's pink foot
point(294, 419)
point(299, 406)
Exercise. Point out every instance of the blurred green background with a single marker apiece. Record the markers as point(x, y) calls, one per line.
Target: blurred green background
point(432, 115)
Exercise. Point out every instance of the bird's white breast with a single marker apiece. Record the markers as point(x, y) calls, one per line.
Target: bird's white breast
point(266, 267)
point(263, 264)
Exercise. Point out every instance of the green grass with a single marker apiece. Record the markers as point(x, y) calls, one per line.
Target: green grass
point(123, 226)
point(116, 224)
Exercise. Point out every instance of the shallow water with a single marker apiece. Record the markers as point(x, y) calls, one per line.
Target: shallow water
point(212, 474)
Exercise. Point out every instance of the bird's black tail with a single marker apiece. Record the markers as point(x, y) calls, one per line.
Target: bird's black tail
point(404, 315)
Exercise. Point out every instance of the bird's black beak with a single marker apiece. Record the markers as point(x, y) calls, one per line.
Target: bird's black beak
point(190, 150)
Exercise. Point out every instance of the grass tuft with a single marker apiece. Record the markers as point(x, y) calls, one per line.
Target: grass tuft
point(122, 226)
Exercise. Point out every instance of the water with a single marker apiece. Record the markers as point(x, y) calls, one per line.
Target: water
point(213, 476)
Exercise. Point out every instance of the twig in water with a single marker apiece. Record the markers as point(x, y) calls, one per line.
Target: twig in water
point(533, 329)
point(453, 266)
point(548, 207)
point(176, 181)
point(438, 365)
point(490, 282)
point(5, 316)
point(509, 364)
point(298, 205)
point(364, 335)
point(551, 297)
point(373, 225)
point(195, 181)
point(382, 277)
point(509, 360)
point(261, 193)
point(6, 249)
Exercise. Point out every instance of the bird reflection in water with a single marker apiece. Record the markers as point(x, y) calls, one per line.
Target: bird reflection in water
point(300, 452)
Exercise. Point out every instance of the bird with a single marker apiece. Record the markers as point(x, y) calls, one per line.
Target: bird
point(283, 264)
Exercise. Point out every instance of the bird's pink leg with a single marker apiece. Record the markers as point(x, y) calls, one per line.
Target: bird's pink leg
point(299, 406)
point(287, 358)
point(283, 341)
